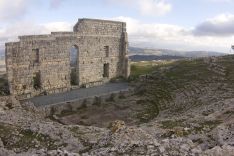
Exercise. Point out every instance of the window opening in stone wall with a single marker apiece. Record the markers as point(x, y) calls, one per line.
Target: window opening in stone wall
point(36, 55)
point(14, 54)
point(37, 80)
point(74, 53)
point(107, 51)
point(106, 70)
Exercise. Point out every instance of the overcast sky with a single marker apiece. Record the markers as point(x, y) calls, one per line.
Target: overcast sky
point(171, 24)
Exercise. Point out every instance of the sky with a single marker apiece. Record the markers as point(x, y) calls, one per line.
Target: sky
point(188, 25)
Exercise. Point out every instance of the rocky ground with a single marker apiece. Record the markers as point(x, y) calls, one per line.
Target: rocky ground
point(185, 108)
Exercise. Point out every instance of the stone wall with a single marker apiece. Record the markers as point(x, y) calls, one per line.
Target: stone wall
point(99, 27)
point(40, 64)
point(75, 105)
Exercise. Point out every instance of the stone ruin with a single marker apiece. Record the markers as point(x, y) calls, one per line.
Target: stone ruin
point(94, 53)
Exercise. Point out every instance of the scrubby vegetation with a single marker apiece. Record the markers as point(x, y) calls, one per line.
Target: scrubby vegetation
point(24, 139)
point(142, 68)
point(3, 85)
point(184, 107)
point(169, 124)
point(170, 88)
point(167, 84)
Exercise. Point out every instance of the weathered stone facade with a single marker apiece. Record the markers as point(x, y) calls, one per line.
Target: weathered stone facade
point(41, 64)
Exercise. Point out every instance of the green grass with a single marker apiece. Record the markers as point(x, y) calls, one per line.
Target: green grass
point(3, 85)
point(209, 124)
point(143, 68)
point(3, 81)
point(205, 126)
point(187, 71)
point(150, 111)
point(229, 112)
point(159, 90)
point(137, 70)
point(25, 139)
point(170, 124)
point(228, 63)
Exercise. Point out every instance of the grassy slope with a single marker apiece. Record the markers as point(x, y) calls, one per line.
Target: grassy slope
point(190, 78)
point(146, 67)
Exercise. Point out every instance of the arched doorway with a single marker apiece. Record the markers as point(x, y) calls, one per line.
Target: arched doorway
point(74, 65)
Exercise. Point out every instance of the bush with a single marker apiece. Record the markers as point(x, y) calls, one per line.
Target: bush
point(122, 96)
point(4, 87)
point(97, 101)
point(52, 111)
point(150, 112)
point(83, 105)
point(111, 98)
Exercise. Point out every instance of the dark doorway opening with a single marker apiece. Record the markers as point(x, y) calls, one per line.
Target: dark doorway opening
point(37, 81)
point(107, 51)
point(74, 56)
point(106, 70)
point(35, 55)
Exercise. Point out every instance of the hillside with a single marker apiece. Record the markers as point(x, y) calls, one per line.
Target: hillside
point(2, 54)
point(136, 58)
point(168, 52)
point(179, 108)
point(144, 54)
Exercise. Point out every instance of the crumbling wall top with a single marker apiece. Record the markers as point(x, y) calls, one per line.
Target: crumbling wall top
point(35, 37)
point(51, 36)
point(98, 20)
point(87, 26)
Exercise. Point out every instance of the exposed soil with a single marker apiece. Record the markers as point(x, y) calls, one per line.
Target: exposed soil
point(102, 115)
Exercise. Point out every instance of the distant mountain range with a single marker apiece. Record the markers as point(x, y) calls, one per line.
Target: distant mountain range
point(169, 53)
point(144, 54)
point(137, 58)
point(2, 54)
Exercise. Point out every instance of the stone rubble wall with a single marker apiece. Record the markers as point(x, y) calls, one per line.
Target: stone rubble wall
point(89, 36)
point(74, 105)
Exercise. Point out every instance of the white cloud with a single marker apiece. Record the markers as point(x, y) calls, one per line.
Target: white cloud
point(16, 9)
point(154, 7)
point(221, 25)
point(146, 7)
point(30, 28)
point(222, 1)
point(172, 37)
point(12, 10)
point(55, 3)
point(11, 33)
point(56, 26)
point(141, 34)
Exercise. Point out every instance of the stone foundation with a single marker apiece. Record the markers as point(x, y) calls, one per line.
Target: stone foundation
point(74, 105)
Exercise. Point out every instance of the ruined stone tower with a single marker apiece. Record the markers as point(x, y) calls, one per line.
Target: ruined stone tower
point(95, 52)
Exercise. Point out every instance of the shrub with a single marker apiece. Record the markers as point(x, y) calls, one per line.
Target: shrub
point(122, 96)
point(97, 101)
point(111, 98)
